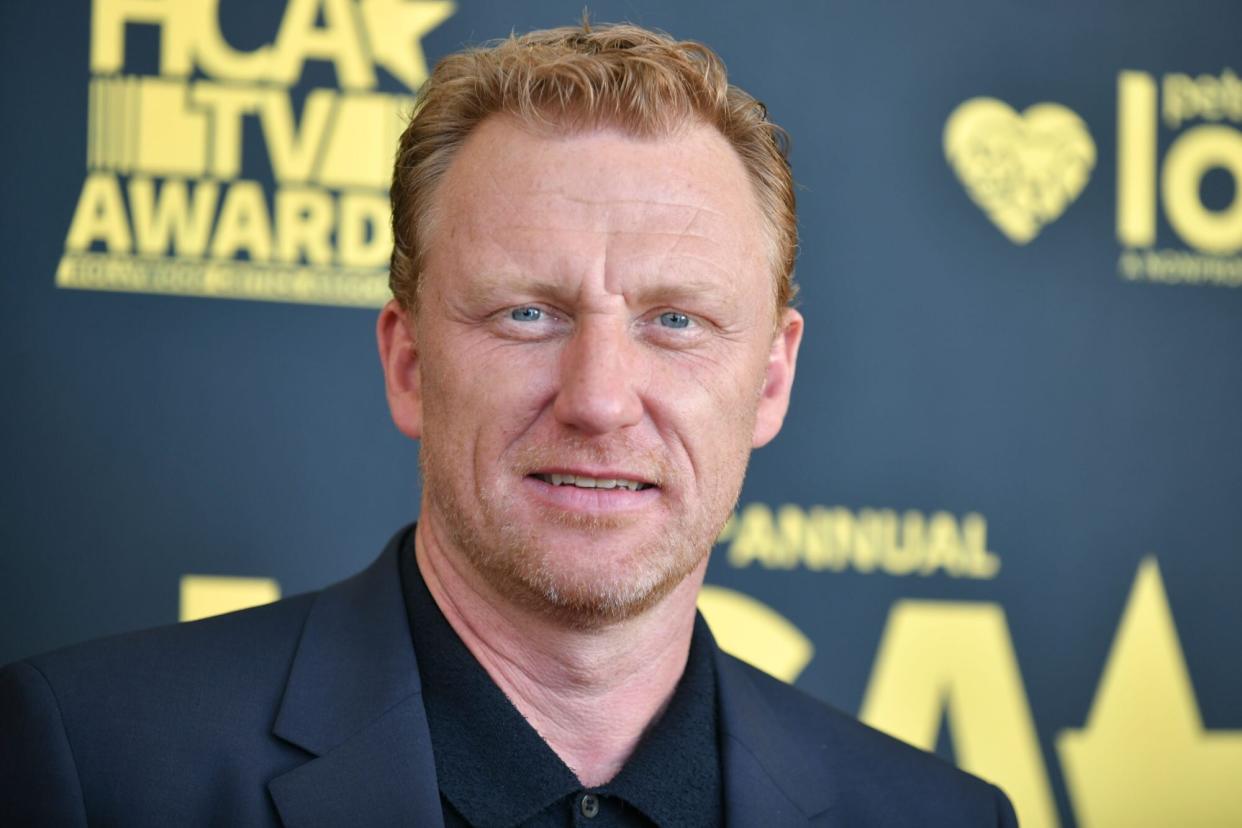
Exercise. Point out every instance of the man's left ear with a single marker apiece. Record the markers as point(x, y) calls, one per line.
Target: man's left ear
point(778, 378)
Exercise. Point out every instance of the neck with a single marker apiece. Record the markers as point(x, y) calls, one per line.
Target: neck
point(590, 694)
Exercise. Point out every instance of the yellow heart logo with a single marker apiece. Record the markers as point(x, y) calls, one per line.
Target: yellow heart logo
point(1023, 170)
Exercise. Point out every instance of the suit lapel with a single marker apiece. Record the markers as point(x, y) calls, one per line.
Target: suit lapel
point(353, 700)
point(771, 778)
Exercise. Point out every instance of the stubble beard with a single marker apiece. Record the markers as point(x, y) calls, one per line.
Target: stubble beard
point(516, 561)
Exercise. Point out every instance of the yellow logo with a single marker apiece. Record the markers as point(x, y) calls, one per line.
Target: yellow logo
point(866, 541)
point(1145, 757)
point(175, 199)
point(1023, 170)
point(1156, 177)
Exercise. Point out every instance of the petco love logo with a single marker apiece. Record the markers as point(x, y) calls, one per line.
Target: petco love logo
point(1023, 170)
point(1179, 172)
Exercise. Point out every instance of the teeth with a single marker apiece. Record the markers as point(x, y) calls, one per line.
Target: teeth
point(592, 482)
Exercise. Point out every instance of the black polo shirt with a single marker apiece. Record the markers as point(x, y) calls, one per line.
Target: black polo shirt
point(494, 770)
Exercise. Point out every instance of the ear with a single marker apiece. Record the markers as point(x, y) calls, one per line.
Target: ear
point(778, 379)
point(398, 352)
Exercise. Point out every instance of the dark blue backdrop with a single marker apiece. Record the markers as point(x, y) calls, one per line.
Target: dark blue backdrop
point(1084, 404)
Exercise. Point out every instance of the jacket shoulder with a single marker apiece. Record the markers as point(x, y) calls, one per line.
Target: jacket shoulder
point(880, 780)
point(246, 646)
point(154, 722)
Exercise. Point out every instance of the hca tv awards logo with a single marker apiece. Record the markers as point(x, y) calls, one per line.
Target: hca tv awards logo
point(1024, 171)
point(167, 205)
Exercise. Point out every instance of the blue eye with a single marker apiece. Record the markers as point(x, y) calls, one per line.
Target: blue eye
point(673, 319)
point(526, 314)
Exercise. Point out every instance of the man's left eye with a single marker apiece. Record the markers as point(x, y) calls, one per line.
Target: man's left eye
point(673, 319)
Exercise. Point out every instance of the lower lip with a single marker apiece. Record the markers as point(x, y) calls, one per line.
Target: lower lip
point(576, 499)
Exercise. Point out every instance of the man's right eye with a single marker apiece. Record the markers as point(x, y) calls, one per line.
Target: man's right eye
point(526, 314)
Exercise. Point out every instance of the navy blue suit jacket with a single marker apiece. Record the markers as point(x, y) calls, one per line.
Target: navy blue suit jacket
point(309, 712)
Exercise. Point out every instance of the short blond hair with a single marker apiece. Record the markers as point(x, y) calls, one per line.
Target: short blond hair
point(624, 76)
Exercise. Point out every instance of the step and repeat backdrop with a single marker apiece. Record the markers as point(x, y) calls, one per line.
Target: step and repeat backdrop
point(1004, 519)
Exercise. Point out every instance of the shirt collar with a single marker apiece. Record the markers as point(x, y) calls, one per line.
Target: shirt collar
point(674, 774)
point(495, 769)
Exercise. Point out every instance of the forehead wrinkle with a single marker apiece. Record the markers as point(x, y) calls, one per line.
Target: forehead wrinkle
point(613, 233)
point(610, 201)
point(494, 179)
point(521, 246)
point(604, 211)
point(613, 207)
point(679, 238)
point(678, 267)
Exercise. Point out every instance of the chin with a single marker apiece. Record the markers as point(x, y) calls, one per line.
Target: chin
point(610, 586)
point(591, 601)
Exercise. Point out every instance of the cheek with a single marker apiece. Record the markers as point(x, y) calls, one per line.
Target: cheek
point(487, 394)
point(709, 406)
point(722, 386)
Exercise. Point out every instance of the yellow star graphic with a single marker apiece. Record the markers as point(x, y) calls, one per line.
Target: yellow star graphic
point(1144, 757)
point(396, 28)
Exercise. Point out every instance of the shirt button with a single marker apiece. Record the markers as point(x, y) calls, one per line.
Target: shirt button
point(589, 805)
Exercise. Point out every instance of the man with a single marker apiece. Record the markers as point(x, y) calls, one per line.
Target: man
point(594, 242)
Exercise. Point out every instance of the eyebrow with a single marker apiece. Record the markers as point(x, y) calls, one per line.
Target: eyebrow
point(484, 285)
point(676, 292)
point(658, 290)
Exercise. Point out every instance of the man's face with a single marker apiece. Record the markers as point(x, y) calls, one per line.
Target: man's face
point(595, 354)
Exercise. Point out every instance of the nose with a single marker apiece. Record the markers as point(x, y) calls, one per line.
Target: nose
point(600, 378)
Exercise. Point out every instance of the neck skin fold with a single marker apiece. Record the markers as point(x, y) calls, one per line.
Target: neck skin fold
point(590, 694)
